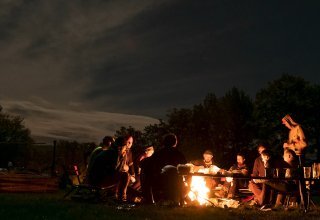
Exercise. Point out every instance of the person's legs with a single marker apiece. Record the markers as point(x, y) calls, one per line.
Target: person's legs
point(123, 183)
point(277, 185)
point(256, 189)
point(266, 195)
point(172, 184)
point(146, 188)
point(234, 186)
point(280, 199)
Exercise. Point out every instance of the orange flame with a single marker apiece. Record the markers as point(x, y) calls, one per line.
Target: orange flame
point(199, 191)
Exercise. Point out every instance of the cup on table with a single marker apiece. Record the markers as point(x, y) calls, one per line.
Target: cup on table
point(276, 172)
point(287, 173)
point(316, 170)
point(268, 172)
point(307, 172)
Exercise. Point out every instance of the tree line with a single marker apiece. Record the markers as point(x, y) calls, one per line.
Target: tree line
point(226, 125)
point(235, 122)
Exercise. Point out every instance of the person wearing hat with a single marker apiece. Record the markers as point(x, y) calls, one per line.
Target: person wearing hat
point(206, 165)
point(206, 162)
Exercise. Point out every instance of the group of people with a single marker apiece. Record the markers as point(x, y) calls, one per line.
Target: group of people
point(270, 192)
point(154, 177)
point(112, 166)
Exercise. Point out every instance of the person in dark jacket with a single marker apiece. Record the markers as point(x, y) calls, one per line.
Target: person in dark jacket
point(109, 169)
point(231, 185)
point(160, 171)
point(107, 142)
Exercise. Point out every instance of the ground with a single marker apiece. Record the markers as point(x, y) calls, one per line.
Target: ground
point(53, 206)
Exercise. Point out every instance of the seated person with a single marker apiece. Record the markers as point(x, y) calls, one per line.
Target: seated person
point(160, 172)
point(289, 168)
point(109, 169)
point(105, 145)
point(257, 186)
point(206, 165)
point(148, 151)
point(231, 185)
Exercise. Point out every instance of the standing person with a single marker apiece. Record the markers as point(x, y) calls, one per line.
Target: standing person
point(296, 141)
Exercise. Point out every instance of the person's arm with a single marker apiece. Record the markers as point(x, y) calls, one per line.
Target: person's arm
point(255, 171)
point(300, 140)
point(245, 171)
point(297, 141)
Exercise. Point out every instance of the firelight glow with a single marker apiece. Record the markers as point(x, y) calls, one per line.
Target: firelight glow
point(199, 191)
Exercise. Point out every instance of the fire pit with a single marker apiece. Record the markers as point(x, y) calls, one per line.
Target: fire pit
point(199, 195)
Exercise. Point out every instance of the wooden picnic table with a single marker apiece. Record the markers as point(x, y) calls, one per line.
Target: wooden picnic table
point(303, 191)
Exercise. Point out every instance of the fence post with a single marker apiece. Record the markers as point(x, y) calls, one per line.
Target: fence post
point(53, 166)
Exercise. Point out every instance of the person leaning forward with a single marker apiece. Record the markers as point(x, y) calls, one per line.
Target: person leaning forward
point(109, 169)
point(161, 176)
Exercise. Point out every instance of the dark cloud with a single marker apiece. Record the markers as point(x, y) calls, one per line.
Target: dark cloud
point(146, 57)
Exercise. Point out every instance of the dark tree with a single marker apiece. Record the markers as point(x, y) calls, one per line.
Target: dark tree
point(236, 110)
point(287, 95)
point(14, 139)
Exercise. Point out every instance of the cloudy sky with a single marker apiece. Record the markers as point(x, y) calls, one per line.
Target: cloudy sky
point(141, 58)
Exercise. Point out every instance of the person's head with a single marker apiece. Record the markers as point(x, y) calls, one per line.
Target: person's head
point(107, 141)
point(170, 140)
point(129, 141)
point(288, 122)
point(149, 150)
point(265, 155)
point(121, 145)
point(207, 156)
point(289, 155)
point(240, 159)
point(261, 148)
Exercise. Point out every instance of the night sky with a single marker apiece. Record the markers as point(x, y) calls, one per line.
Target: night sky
point(146, 57)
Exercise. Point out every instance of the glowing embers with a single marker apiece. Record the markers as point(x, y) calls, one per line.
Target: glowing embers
point(199, 191)
point(199, 195)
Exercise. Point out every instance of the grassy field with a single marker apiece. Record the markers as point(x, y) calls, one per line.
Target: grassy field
point(52, 206)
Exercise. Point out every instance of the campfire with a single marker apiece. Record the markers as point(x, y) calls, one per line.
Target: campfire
point(199, 193)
